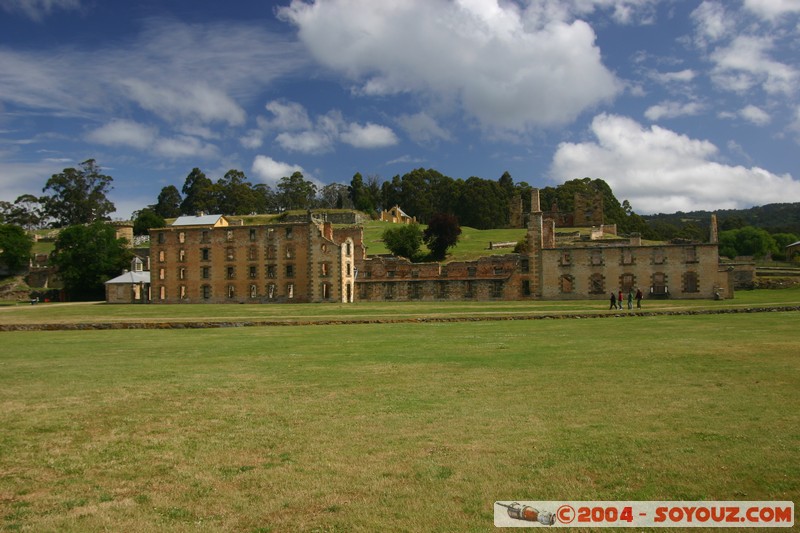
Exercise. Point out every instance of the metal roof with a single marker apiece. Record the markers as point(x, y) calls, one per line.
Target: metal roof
point(130, 278)
point(202, 220)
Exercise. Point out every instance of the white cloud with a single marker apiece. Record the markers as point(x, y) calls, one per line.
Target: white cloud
point(405, 159)
point(287, 116)
point(368, 136)
point(183, 146)
point(37, 10)
point(772, 9)
point(124, 133)
point(682, 76)
point(712, 22)
point(508, 68)
point(422, 128)
point(302, 135)
point(252, 139)
point(755, 115)
point(659, 170)
point(270, 171)
point(307, 142)
point(670, 109)
point(196, 102)
point(183, 73)
point(745, 63)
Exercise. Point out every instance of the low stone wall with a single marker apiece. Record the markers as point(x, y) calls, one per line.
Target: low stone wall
point(328, 322)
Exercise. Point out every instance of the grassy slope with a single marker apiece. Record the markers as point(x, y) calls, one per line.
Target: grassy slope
point(472, 244)
point(416, 427)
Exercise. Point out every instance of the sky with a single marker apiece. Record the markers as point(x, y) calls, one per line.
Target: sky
point(678, 105)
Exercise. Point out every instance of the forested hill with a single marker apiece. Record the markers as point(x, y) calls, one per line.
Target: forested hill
point(775, 218)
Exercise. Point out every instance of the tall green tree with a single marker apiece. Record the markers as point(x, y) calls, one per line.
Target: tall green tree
point(483, 204)
point(199, 194)
point(15, 247)
point(441, 234)
point(266, 201)
point(296, 192)
point(169, 202)
point(359, 194)
point(235, 194)
point(146, 219)
point(78, 195)
point(86, 257)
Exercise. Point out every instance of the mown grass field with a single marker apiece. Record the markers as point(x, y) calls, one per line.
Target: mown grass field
point(390, 427)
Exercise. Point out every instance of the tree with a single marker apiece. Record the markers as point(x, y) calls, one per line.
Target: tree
point(403, 240)
point(15, 247)
point(26, 211)
point(199, 195)
point(441, 234)
point(266, 202)
point(88, 256)
point(145, 219)
point(747, 241)
point(335, 196)
point(483, 204)
point(296, 192)
point(358, 193)
point(78, 196)
point(169, 202)
point(235, 194)
point(782, 240)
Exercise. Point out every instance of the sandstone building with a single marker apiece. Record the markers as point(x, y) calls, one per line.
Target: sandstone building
point(206, 259)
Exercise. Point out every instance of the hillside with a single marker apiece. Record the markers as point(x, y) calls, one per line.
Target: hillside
point(775, 218)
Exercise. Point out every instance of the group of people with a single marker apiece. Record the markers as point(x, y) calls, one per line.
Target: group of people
point(616, 300)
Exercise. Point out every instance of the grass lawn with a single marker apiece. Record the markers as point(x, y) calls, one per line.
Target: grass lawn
point(391, 427)
point(25, 313)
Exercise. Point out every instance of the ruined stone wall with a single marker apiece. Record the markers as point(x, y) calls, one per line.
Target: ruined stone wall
point(588, 210)
point(397, 279)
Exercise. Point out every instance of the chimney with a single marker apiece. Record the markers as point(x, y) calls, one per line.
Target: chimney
point(535, 205)
point(714, 237)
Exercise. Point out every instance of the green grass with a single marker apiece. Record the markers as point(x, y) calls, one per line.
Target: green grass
point(391, 427)
point(24, 313)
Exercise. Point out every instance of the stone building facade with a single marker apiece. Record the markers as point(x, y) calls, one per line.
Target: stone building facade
point(555, 270)
point(207, 260)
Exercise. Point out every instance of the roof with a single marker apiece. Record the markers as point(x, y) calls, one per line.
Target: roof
point(202, 220)
point(793, 244)
point(130, 278)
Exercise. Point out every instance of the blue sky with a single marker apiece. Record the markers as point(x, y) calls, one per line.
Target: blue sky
point(678, 105)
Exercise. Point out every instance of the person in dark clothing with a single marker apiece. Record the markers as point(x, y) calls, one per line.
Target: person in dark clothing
point(638, 298)
point(613, 301)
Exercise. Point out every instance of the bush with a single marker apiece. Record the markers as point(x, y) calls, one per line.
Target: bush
point(404, 240)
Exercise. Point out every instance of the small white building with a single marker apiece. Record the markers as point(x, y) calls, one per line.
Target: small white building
point(130, 287)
